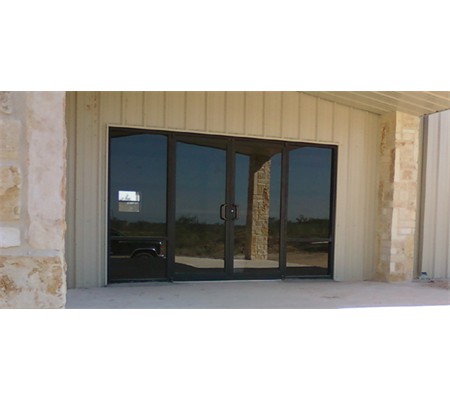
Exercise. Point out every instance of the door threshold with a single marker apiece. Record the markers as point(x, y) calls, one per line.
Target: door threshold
point(231, 280)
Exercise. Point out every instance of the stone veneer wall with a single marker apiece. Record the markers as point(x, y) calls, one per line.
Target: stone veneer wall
point(32, 199)
point(397, 196)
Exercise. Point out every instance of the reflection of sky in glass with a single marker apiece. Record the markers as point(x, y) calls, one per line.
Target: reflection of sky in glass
point(200, 182)
point(309, 182)
point(138, 164)
point(241, 187)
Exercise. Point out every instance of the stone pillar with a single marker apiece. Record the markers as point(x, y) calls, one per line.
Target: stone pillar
point(32, 199)
point(397, 196)
point(258, 208)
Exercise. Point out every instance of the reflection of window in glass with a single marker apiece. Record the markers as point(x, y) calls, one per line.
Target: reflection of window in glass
point(129, 201)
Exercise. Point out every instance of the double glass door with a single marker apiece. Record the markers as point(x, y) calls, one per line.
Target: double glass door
point(186, 206)
point(223, 191)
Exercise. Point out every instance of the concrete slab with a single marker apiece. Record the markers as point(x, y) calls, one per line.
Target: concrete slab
point(288, 294)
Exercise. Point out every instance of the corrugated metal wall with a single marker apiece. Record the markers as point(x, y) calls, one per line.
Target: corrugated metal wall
point(435, 249)
point(289, 116)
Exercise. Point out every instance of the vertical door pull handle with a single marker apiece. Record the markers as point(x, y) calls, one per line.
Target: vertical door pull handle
point(235, 211)
point(223, 210)
point(229, 212)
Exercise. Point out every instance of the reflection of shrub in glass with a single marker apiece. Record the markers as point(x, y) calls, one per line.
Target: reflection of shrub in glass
point(308, 227)
point(138, 228)
point(199, 239)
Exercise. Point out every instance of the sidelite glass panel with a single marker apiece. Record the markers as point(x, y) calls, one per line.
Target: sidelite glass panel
point(200, 196)
point(309, 211)
point(257, 194)
point(137, 206)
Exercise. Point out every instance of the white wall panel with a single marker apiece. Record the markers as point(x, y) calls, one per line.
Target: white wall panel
point(356, 200)
point(175, 110)
point(308, 116)
point(215, 118)
point(196, 111)
point(111, 105)
point(370, 205)
point(272, 115)
point(324, 120)
point(154, 109)
point(235, 111)
point(254, 113)
point(435, 249)
point(290, 115)
point(284, 115)
point(133, 103)
point(341, 130)
point(71, 127)
point(87, 174)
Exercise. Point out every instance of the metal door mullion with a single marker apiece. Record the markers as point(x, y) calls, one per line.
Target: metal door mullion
point(332, 225)
point(229, 199)
point(108, 194)
point(283, 209)
point(171, 188)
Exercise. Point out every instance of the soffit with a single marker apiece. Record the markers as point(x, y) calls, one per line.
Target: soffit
point(415, 103)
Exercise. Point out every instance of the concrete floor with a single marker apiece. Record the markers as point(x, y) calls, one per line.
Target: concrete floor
point(288, 294)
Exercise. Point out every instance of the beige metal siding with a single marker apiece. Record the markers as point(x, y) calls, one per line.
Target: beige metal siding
point(435, 250)
point(71, 200)
point(234, 112)
point(272, 115)
point(87, 186)
point(291, 116)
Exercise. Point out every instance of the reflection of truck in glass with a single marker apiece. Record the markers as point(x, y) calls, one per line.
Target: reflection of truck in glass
point(135, 246)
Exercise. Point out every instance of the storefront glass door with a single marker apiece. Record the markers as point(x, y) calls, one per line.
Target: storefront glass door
point(193, 207)
point(200, 198)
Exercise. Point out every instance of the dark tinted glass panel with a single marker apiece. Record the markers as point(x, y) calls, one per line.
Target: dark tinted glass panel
point(309, 205)
point(309, 192)
point(205, 246)
point(257, 194)
point(137, 206)
point(200, 192)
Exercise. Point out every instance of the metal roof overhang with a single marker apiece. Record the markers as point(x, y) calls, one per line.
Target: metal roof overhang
point(414, 103)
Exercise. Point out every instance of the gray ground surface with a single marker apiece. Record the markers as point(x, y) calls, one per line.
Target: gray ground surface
point(297, 294)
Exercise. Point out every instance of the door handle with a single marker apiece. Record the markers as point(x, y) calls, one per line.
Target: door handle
point(234, 211)
point(229, 212)
point(223, 212)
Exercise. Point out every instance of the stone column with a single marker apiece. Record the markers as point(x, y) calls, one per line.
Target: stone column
point(258, 208)
point(397, 196)
point(32, 199)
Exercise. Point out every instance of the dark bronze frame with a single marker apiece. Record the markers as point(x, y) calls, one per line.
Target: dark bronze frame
point(282, 272)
